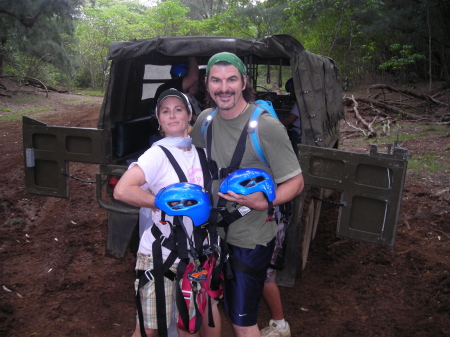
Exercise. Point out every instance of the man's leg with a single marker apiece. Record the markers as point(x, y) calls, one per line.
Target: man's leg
point(243, 292)
point(271, 292)
point(246, 331)
point(271, 295)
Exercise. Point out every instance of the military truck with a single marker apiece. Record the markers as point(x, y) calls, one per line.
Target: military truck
point(371, 185)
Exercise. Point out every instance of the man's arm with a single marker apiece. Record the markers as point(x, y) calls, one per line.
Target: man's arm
point(288, 120)
point(285, 192)
point(192, 74)
point(292, 117)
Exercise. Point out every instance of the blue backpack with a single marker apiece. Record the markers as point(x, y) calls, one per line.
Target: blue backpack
point(261, 107)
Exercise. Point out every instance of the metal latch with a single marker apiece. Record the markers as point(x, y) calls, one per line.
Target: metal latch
point(29, 157)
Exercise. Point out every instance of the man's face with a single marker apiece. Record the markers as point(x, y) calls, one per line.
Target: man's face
point(225, 85)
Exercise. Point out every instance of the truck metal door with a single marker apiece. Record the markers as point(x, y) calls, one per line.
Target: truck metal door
point(47, 151)
point(371, 186)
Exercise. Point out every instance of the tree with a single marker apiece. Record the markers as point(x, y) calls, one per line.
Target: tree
point(35, 28)
point(100, 24)
point(204, 9)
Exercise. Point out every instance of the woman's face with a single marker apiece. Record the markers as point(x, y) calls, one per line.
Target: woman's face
point(173, 117)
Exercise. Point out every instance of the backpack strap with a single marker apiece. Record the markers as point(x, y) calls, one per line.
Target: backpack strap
point(250, 129)
point(262, 106)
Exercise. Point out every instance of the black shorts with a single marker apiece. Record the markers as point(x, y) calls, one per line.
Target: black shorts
point(243, 292)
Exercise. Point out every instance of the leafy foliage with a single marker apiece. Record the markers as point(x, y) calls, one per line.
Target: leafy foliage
point(36, 28)
point(74, 35)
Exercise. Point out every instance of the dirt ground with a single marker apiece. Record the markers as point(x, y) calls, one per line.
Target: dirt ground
point(57, 281)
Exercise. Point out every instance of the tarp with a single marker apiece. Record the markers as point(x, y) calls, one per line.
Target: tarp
point(315, 77)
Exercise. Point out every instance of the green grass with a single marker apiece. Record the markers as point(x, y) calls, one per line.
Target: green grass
point(428, 161)
point(11, 117)
point(90, 92)
point(402, 134)
point(6, 109)
point(18, 115)
point(78, 102)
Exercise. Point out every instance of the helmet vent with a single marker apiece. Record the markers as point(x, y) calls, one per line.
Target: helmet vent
point(252, 182)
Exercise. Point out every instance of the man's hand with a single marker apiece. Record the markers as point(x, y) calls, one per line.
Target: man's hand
point(256, 201)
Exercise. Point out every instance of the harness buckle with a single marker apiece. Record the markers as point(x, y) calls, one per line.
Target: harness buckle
point(223, 172)
point(148, 274)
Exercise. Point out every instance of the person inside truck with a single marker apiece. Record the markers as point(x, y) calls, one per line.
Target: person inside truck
point(292, 121)
point(138, 187)
point(195, 103)
point(184, 76)
point(250, 238)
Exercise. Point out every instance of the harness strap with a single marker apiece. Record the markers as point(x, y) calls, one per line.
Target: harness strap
point(220, 173)
point(177, 244)
point(183, 310)
point(175, 165)
point(246, 269)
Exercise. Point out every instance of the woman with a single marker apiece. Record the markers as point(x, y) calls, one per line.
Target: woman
point(138, 187)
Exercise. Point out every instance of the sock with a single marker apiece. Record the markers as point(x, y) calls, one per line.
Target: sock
point(281, 323)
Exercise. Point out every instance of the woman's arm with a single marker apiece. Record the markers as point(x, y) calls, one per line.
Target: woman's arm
point(129, 190)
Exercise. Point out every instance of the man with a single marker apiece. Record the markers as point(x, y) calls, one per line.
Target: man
point(196, 105)
point(292, 121)
point(184, 76)
point(250, 238)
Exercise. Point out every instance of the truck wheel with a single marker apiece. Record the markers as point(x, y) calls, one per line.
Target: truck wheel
point(305, 237)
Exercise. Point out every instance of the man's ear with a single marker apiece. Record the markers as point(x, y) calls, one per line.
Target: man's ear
point(245, 82)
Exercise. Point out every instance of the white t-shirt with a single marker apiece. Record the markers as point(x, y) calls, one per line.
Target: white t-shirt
point(160, 173)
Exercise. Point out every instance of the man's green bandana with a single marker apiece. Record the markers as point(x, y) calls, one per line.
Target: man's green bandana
point(227, 57)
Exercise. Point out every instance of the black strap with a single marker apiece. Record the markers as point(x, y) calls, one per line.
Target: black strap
point(246, 269)
point(176, 166)
point(204, 164)
point(158, 280)
point(183, 311)
point(179, 235)
point(179, 171)
point(230, 217)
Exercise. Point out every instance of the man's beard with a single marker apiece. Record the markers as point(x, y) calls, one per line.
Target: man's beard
point(233, 103)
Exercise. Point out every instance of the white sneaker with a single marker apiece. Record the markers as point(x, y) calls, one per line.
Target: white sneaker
point(273, 330)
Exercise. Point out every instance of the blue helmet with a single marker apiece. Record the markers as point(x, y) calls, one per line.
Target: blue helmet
point(179, 70)
point(185, 199)
point(247, 181)
point(289, 84)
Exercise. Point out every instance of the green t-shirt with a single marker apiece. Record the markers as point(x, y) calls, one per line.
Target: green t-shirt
point(252, 229)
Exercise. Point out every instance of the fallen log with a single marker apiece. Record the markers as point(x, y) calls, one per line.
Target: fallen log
point(32, 81)
point(386, 107)
point(424, 97)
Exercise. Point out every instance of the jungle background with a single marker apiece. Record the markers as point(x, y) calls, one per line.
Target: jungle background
point(65, 42)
